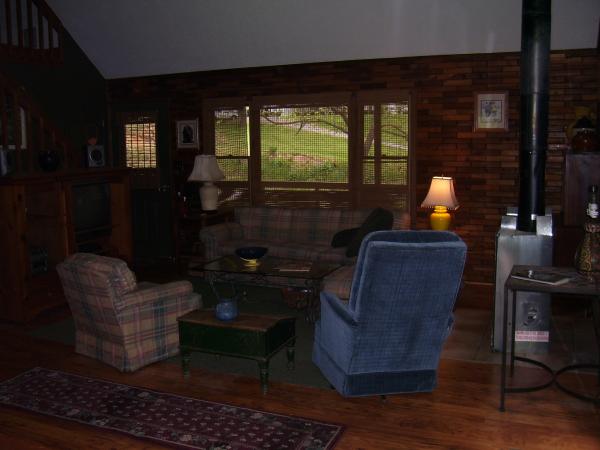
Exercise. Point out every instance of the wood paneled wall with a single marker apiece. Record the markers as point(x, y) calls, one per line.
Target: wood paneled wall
point(484, 164)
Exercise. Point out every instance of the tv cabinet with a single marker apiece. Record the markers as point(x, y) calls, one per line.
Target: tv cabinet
point(37, 232)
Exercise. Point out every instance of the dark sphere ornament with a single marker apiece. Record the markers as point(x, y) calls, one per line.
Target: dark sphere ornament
point(49, 160)
point(226, 309)
point(251, 255)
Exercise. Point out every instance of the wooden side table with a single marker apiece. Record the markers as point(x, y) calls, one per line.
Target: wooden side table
point(257, 337)
point(577, 285)
point(187, 233)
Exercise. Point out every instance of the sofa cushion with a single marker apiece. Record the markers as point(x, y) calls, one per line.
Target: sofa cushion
point(379, 219)
point(339, 282)
point(314, 224)
point(271, 227)
point(342, 238)
point(336, 255)
point(265, 223)
point(123, 279)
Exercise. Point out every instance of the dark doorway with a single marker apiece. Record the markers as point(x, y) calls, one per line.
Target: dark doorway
point(142, 138)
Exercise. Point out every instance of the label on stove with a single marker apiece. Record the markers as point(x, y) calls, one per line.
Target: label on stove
point(532, 336)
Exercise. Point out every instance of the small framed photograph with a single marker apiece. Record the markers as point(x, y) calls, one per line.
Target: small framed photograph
point(187, 133)
point(491, 111)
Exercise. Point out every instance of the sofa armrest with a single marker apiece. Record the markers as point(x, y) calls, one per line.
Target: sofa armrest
point(213, 236)
point(157, 317)
point(148, 293)
point(339, 282)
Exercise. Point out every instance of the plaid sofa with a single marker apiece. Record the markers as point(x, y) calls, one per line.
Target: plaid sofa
point(295, 233)
point(119, 321)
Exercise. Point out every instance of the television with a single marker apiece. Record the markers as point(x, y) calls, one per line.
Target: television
point(91, 210)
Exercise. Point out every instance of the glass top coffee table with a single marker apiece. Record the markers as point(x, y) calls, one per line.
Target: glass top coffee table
point(272, 271)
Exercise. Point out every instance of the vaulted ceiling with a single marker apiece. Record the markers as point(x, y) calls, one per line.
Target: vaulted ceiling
point(126, 38)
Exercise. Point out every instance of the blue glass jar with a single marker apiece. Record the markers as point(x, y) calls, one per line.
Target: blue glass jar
point(226, 309)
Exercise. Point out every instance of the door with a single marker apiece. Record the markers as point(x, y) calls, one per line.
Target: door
point(142, 137)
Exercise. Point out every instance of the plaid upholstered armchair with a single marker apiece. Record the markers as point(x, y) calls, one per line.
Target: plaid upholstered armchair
point(119, 321)
point(388, 337)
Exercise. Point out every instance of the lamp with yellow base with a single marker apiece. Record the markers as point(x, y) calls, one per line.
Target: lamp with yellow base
point(441, 198)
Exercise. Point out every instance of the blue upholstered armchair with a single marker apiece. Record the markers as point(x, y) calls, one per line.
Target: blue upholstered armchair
point(388, 337)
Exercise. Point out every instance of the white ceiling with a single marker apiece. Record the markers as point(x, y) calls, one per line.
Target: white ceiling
point(126, 38)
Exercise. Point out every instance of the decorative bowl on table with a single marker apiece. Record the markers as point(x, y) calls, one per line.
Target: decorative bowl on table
point(251, 255)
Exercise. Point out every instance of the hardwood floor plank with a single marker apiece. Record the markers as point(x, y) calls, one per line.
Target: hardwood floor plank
point(461, 413)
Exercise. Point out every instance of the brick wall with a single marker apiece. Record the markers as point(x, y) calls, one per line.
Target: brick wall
point(483, 164)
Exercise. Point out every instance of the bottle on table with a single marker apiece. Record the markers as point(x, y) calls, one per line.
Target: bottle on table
point(587, 257)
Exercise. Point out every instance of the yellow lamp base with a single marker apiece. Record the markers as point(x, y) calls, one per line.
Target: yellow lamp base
point(250, 262)
point(440, 218)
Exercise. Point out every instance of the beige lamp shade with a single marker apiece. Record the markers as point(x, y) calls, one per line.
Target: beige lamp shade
point(441, 193)
point(206, 168)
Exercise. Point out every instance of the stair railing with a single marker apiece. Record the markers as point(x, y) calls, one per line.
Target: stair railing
point(25, 132)
point(30, 32)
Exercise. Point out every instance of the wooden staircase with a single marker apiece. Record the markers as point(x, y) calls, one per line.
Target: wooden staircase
point(30, 32)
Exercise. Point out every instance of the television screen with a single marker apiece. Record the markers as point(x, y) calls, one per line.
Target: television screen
point(91, 209)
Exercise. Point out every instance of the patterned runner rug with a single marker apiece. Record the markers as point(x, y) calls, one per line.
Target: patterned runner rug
point(171, 419)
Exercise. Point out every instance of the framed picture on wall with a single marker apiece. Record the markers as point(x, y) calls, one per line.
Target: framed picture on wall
point(187, 133)
point(491, 111)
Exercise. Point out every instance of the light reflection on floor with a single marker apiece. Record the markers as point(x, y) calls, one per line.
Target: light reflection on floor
point(572, 338)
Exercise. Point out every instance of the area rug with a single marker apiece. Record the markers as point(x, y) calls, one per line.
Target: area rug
point(166, 418)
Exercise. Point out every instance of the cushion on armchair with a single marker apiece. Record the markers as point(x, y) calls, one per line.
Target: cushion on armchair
point(342, 238)
point(379, 220)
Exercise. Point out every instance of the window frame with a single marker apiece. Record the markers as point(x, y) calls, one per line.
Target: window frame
point(379, 97)
point(141, 177)
point(324, 99)
point(208, 134)
point(355, 101)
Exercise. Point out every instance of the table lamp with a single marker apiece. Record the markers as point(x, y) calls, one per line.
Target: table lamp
point(440, 197)
point(207, 170)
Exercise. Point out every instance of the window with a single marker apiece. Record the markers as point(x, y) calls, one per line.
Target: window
point(232, 142)
point(229, 136)
point(304, 150)
point(384, 142)
point(304, 144)
point(140, 142)
point(325, 150)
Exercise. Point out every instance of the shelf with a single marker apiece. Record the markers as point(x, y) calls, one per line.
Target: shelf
point(93, 235)
point(581, 170)
point(43, 280)
point(42, 215)
point(39, 233)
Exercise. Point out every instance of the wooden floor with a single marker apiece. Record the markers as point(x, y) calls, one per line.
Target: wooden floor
point(461, 413)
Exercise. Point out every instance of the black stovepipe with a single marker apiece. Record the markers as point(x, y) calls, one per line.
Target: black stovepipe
point(535, 61)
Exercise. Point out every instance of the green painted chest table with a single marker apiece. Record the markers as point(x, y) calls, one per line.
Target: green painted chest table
point(252, 336)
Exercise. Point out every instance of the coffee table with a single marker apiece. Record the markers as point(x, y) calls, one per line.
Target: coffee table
point(274, 272)
point(252, 336)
